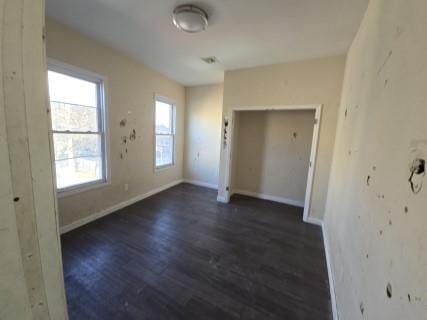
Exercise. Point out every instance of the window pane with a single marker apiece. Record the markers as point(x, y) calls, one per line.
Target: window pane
point(163, 118)
point(73, 117)
point(63, 88)
point(71, 172)
point(164, 150)
point(78, 158)
point(76, 145)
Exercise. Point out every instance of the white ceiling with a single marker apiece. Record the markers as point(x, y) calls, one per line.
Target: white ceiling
point(241, 33)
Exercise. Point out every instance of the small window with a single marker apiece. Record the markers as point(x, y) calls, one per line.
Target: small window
point(164, 133)
point(78, 126)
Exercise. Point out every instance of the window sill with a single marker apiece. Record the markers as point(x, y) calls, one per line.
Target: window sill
point(82, 188)
point(163, 168)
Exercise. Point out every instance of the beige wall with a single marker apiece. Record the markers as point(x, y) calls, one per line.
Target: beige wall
point(130, 88)
point(316, 81)
point(203, 133)
point(31, 280)
point(376, 226)
point(272, 153)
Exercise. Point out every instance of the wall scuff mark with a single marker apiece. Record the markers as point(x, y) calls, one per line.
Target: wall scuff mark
point(225, 132)
point(389, 291)
point(132, 135)
point(385, 62)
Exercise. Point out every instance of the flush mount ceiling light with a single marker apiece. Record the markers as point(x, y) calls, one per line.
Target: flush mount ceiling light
point(190, 18)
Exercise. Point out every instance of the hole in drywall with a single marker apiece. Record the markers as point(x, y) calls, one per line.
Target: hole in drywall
point(368, 180)
point(389, 290)
point(295, 135)
point(362, 308)
point(406, 209)
point(417, 173)
point(123, 123)
point(132, 135)
point(16, 199)
point(409, 297)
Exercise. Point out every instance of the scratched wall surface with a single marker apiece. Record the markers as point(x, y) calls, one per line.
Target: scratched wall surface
point(375, 218)
point(31, 280)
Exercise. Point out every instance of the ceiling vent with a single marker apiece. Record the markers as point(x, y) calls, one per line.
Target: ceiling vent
point(210, 60)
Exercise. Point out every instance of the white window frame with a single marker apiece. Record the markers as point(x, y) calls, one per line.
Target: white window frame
point(76, 72)
point(166, 100)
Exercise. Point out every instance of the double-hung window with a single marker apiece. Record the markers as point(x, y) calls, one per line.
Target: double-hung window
point(78, 126)
point(164, 133)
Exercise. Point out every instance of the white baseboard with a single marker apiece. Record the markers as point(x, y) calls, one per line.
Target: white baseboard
point(221, 199)
point(268, 197)
point(121, 205)
point(201, 184)
point(330, 273)
point(315, 221)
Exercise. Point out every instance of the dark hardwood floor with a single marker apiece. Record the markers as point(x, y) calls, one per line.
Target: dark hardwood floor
point(182, 255)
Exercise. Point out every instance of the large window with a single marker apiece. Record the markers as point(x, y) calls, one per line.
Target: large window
point(78, 126)
point(165, 133)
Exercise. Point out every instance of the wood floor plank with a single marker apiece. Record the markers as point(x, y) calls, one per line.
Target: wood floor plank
point(182, 255)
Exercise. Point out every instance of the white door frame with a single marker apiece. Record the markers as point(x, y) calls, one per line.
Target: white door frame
point(312, 165)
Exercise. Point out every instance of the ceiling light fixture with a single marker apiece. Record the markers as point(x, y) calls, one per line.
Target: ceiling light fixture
point(189, 18)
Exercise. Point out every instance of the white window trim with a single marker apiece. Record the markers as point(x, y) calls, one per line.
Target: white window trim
point(73, 71)
point(164, 99)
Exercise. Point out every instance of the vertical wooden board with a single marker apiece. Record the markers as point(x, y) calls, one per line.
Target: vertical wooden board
point(34, 63)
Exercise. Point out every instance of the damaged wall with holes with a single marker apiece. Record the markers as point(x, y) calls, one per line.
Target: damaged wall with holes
point(203, 133)
point(272, 153)
point(377, 201)
point(130, 90)
point(317, 81)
